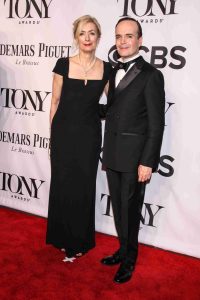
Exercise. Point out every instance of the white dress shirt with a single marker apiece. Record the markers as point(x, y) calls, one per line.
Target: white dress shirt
point(121, 72)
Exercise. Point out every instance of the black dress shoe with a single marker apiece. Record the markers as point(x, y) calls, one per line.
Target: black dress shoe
point(112, 260)
point(124, 272)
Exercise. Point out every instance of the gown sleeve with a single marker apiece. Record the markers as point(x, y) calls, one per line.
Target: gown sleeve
point(60, 67)
point(108, 70)
point(104, 107)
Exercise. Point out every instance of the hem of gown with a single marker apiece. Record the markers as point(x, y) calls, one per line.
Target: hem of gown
point(74, 252)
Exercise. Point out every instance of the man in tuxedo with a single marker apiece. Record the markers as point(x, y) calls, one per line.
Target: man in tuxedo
point(133, 136)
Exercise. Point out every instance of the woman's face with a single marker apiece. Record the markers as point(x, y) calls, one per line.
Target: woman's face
point(87, 37)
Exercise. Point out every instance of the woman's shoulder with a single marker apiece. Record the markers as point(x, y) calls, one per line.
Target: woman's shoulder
point(61, 65)
point(62, 60)
point(107, 67)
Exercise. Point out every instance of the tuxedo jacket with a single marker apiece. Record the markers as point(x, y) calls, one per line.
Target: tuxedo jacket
point(134, 119)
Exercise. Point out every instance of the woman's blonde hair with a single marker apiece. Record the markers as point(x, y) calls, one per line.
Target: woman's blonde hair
point(83, 20)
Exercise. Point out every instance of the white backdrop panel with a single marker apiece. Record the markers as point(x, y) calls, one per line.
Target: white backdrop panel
point(33, 35)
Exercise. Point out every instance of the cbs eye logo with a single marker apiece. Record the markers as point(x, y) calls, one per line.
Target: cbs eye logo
point(113, 56)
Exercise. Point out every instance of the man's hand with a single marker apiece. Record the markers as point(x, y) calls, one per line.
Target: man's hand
point(144, 173)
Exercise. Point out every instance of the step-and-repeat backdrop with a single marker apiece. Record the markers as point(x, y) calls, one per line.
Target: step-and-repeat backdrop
point(33, 35)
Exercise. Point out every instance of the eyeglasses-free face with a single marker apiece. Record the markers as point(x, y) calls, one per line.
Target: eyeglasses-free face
point(126, 39)
point(87, 37)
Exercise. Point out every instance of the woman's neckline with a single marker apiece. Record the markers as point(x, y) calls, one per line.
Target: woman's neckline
point(81, 79)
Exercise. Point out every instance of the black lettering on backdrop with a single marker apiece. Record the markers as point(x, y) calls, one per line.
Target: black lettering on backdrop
point(20, 185)
point(166, 7)
point(41, 8)
point(15, 138)
point(108, 204)
point(24, 99)
point(17, 50)
point(53, 51)
point(41, 142)
point(167, 166)
point(168, 105)
point(160, 53)
point(149, 216)
point(177, 57)
point(158, 57)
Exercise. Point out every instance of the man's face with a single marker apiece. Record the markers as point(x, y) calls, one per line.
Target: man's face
point(126, 37)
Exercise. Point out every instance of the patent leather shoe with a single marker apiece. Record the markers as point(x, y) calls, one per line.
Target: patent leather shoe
point(124, 273)
point(112, 260)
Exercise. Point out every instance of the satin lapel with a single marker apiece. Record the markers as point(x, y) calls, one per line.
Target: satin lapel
point(130, 76)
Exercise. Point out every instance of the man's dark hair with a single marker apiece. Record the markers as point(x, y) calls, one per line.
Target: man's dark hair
point(134, 20)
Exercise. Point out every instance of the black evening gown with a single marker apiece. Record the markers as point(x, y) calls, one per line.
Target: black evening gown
point(75, 150)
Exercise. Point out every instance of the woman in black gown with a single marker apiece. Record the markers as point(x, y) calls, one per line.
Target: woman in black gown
point(78, 84)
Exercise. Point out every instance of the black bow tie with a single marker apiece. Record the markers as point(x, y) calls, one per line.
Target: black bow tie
point(126, 65)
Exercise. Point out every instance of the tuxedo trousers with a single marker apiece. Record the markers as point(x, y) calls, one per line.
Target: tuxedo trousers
point(127, 197)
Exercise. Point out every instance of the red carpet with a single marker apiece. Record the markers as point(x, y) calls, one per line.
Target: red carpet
point(30, 270)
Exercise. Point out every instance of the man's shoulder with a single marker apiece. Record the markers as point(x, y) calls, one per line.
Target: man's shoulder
point(152, 72)
point(149, 67)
